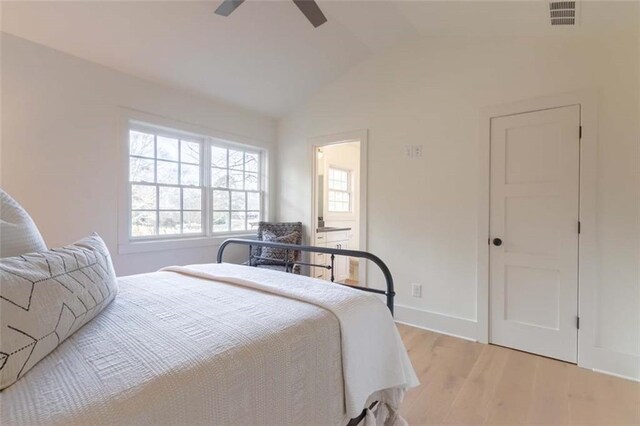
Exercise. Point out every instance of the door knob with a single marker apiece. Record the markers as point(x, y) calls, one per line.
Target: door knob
point(497, 242)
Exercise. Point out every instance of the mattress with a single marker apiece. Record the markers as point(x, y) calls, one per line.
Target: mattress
point(173, 349)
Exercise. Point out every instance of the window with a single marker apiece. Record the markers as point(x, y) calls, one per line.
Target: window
point(235, 189)
point(184, 186)
point(339, 191)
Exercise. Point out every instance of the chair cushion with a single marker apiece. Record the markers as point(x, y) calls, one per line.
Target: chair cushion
point(278, 255)
point(45, 297)
point(18, 233)
point(277, 228)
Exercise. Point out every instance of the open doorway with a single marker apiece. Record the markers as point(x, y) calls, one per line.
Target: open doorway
point(338, 210)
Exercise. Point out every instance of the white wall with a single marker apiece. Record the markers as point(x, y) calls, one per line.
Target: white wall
point(60, 143)
point(423, 213)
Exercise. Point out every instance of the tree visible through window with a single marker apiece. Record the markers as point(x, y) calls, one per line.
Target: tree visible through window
point(170, 190)
point(235, 189)
point(339, 191)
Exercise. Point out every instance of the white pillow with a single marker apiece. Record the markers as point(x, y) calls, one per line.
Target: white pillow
point(18, 233)
point(47, 296)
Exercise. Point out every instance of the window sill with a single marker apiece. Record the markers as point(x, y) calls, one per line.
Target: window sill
point(143, 246)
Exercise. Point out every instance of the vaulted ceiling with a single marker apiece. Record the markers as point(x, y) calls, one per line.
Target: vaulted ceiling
point(266, 56)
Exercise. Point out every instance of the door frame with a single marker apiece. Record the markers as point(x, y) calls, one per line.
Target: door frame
point(587, 254)
point(336, 139)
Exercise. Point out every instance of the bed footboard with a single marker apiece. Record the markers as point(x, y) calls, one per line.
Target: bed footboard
point(389, 293)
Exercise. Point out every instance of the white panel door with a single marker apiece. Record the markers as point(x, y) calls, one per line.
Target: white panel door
point(535, 161)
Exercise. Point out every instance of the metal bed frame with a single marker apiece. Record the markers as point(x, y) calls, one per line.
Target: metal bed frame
point(288, 266)
point(389, 293)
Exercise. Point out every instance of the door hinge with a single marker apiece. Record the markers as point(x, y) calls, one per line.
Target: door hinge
point(580, 132)
point(578, 323)
point(579, 227)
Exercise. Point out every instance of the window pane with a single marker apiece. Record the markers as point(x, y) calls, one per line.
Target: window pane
point(141, 170)
point(143, 197)
point(218, 178)
point(190, 175)
point(253, 201)
point(220, 221)
point(252, 220)
point(169, 198)
point(220, 200)
point(238, 220)
point(238, 201)
point(167, 148)
point(332, 206)
point(251, 162)
point(141, 144)
point(192, 198)
point(169, 223)
point(192, 222)
point(338, 180)
point(190, 152)
point(251, 181)
point(170, 202)
point(167, 172)
point(218, 157)
point(235, 179)
point(236, 160)
point(143, 223)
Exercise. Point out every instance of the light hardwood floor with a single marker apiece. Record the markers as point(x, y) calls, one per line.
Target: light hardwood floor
point(465, 383)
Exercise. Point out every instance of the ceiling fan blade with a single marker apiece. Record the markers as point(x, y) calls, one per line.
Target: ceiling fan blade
point(228, 6)
point(312, 11)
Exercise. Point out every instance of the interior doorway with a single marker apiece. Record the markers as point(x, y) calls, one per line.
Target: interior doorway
point(534, 226)
point(339, 208)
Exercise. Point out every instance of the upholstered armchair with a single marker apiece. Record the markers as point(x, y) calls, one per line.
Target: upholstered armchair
point(272, 258)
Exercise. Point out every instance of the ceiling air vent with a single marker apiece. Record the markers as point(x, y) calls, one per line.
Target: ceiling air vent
point(563, 12)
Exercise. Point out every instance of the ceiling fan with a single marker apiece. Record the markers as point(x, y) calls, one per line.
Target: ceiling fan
point(309, 8)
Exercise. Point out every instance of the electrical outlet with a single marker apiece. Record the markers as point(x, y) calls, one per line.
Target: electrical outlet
point(408, 151)
point(417, 151)
point(416, 290)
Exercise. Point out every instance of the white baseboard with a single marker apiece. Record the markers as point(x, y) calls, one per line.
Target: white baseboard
point(613, 363)
point(601, 360)
point(440, 323)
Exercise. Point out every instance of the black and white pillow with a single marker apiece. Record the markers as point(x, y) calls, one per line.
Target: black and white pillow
point(278, 255)
point(47, 296)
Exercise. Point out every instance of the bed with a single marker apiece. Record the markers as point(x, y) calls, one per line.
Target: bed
point(221, 344)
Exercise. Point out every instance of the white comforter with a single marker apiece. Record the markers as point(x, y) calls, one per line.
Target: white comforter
point(203, 346)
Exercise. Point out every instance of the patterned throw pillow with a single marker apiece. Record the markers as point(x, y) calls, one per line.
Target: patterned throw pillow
point(45, 297)
point(18, 233)
point(278, 255)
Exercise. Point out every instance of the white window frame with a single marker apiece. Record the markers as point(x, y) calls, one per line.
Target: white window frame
point(349, 190)
point(174, 134)
point(231, 146)
point(133, 120)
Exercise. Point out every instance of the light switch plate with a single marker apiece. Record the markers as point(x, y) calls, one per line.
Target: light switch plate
point(408, 151)
point(416, 290)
